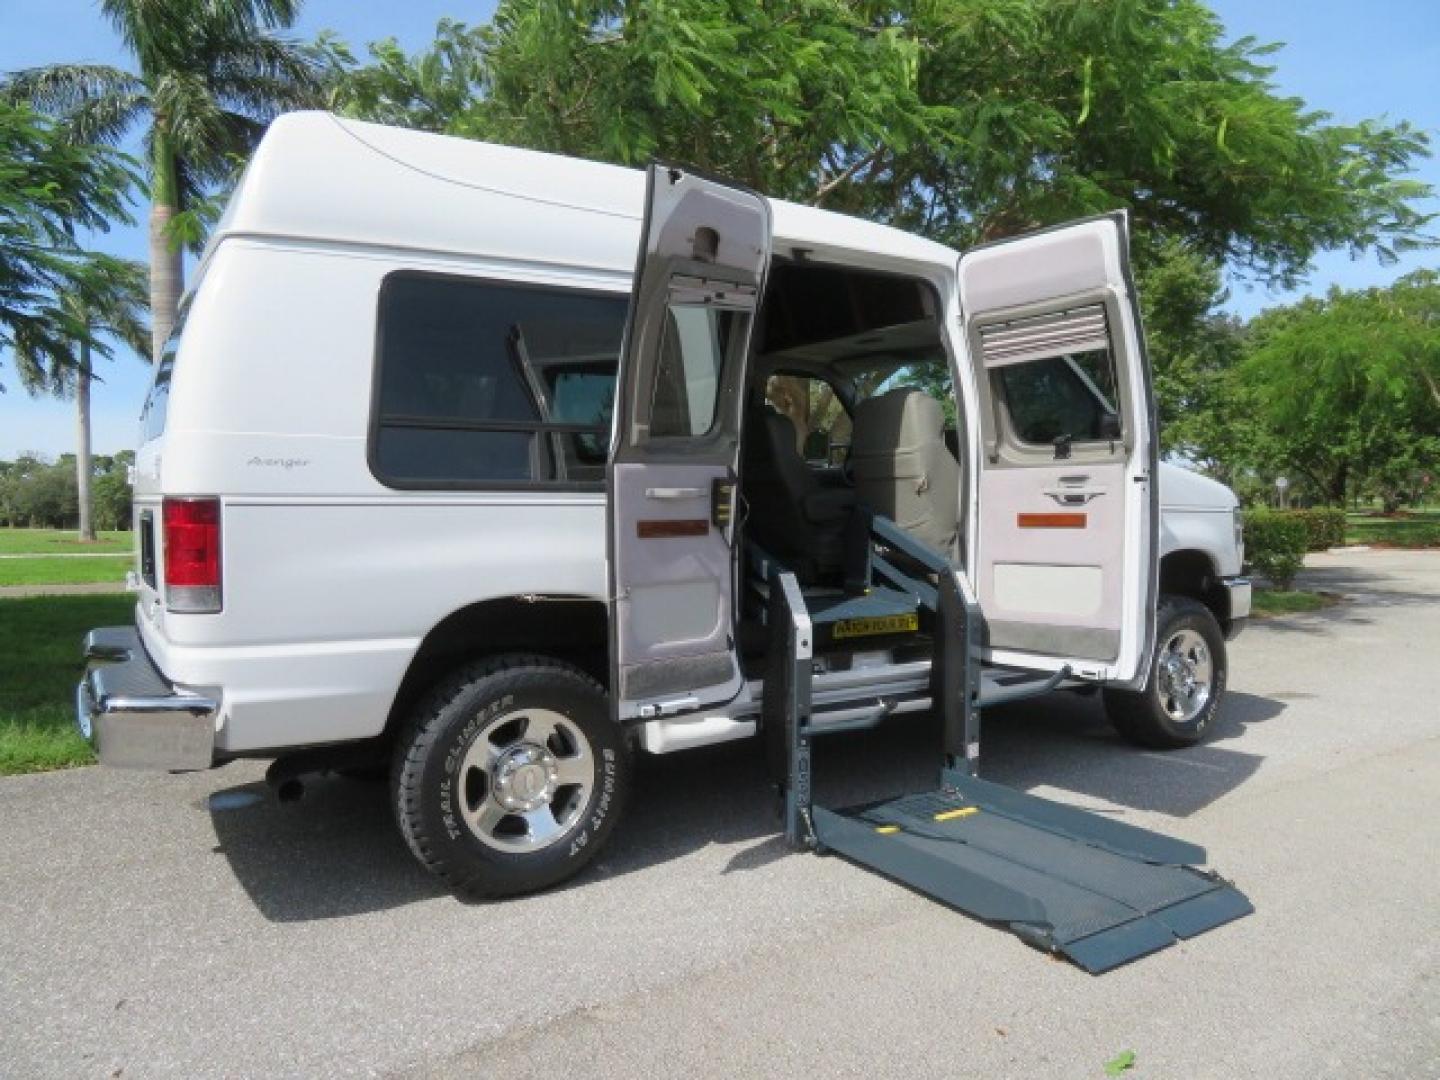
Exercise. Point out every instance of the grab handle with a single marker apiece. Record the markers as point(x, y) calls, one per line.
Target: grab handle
point(675, 493)
point(1074, 496)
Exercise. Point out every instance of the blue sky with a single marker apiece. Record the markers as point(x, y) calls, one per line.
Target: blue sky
point(1351, 60)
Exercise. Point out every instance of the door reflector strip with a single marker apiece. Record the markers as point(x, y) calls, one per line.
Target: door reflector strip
point(669, 530)
point(1051, 521)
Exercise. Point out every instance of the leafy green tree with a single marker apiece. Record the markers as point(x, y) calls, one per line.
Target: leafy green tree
point(778, 96)
point(51, 187)
point(1410, 349)
point(116, 315)
point(1340, 383)
point(209, 77)
point(113, 496)
point(964, 119)
point(1194, 351)
point(1057, 108)
point(429, 90)
point(37, 493)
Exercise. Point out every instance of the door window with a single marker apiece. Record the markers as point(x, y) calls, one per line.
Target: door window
point(689, 371)
point(1053, 379)
point(1061, 396)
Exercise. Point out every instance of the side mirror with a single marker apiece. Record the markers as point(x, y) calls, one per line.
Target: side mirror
point(1110, 426)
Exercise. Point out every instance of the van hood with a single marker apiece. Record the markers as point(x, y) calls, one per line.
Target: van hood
point(1182, 489)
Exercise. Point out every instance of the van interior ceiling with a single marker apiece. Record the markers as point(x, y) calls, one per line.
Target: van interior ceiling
point(845, 406)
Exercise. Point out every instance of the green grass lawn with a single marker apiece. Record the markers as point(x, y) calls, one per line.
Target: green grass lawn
point(39, 666)
point(1289, 602)
point(55, 541)
point(1414, 528)
point(61, 571)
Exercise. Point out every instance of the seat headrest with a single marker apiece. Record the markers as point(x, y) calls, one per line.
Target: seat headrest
point(901, 417)
point(772, 432)
point(780, 426)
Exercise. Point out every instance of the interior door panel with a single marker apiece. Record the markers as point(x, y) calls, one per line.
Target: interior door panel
point(675, 450)
point(1066, 555)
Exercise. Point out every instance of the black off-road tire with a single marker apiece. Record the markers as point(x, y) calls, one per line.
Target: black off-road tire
point(1139, 715)
point(429, 752)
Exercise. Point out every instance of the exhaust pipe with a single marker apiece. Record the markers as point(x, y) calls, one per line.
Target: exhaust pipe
point(283, 776)
point(285, 773)
point(291, 790)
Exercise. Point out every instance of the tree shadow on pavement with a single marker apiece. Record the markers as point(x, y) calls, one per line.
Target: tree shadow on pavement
point(1365, 595)
point(1362, 587)
point(337, 852)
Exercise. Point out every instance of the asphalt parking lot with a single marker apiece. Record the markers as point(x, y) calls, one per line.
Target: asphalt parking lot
point(192, 926)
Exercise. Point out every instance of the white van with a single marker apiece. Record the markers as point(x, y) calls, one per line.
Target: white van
point(402, 419)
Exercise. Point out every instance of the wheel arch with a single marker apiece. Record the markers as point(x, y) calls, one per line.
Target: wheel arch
point(1193, 573)
point(570, 628)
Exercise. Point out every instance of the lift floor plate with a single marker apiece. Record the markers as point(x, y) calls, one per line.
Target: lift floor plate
point(1098, 891)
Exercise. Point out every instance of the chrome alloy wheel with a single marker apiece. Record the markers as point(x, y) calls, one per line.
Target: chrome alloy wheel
point(525, 780)
point(1185, 676)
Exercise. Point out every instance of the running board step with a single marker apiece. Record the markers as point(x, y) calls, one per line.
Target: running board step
point(1004, 689)
point(1095, 890)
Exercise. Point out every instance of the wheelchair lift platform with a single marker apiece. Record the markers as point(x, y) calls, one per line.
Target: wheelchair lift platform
point(1096, 890)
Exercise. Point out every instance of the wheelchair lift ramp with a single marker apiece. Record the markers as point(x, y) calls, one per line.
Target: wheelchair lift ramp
point(1097, 891)
point(1080, 884)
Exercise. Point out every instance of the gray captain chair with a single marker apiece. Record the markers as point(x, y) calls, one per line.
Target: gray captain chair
point(792, 515)
point(903, 469)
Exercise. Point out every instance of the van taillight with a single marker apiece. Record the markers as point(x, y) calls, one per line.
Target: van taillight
point(192, 554)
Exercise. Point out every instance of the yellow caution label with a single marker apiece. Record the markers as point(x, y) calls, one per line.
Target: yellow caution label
point(873, 625)
point(951, 815)
point(887, 829)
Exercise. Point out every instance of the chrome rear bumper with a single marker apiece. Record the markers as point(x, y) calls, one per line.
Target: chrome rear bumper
point(132, 715)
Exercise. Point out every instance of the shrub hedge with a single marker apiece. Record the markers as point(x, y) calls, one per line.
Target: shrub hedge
point(1324, 527)
point(1275, 544)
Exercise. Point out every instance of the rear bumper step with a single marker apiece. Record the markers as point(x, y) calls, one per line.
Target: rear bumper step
point(132, 715)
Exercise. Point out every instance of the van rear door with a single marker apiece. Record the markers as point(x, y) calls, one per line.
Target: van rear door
point(1066, 550)
point(675, 448)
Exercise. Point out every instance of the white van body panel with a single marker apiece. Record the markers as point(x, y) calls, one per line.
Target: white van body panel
point(331, 579)
point(1198, 514)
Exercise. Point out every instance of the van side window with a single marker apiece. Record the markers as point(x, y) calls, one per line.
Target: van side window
point(157, 400)
point(482, 383)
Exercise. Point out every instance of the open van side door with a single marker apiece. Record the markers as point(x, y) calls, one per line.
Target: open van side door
point(675, 448)
point(1066, 543)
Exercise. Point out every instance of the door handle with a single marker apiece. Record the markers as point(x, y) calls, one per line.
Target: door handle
point(668, 708)
point(1074, 496)
point(674, 493)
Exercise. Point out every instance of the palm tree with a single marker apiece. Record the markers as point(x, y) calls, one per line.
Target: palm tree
point(115, 311)
point(212, 74)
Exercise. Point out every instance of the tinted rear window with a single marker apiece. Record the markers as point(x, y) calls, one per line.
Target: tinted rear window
point(482, 384)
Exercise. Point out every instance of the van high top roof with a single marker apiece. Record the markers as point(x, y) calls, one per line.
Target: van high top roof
point(320, 178)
